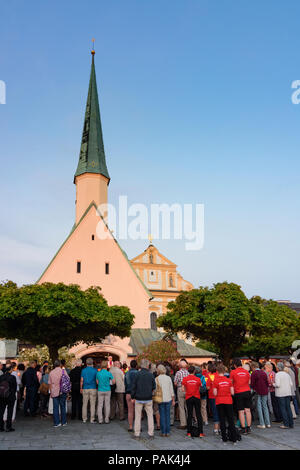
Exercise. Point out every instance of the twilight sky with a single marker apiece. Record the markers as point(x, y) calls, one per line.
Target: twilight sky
point(195, 100)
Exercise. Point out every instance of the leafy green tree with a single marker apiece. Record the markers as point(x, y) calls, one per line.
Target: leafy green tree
point(274, 327)
point(219, 315)
point(59, 315)
point(232, 324)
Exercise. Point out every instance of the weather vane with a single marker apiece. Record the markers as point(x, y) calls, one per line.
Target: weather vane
point(93, 49)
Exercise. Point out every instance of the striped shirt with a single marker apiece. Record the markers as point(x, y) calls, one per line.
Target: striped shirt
point(179, 376)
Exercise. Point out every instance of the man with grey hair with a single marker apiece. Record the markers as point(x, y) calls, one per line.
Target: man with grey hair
point(117, 397)
point(142, 388)
point(179, 376)
point(283, 392)
point(88, 388)
point(75, 376)
point(290, 371)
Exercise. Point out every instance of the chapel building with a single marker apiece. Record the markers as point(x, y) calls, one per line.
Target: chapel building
point(145, 284)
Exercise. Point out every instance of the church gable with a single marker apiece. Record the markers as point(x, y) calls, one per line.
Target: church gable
point(159, 273)
point(152, 256)
point(87, 260)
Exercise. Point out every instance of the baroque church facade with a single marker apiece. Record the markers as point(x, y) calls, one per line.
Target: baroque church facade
point(145, 284)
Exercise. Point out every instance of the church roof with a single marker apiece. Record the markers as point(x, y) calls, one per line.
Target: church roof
point(92, 155)
point(93, 204)
point(142, 337)
point(152, 249)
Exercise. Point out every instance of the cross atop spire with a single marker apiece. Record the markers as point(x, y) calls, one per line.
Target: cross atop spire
point(92, 155)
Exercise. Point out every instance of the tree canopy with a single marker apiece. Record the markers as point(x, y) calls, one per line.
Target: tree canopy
point(274, 327)
point(225, 318)
point(59, 315)
point(162, 350)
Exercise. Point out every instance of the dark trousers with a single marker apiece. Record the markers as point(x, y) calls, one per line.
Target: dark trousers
point(286, 412)
point(9, 403)
point(275, 406)
point(192, 403)
point(76, 405)
point(30, 400)
point(225, 412)
point(117, 399)
point(44, 402)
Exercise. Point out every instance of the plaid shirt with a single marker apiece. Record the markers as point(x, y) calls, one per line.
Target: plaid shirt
point(179, 376)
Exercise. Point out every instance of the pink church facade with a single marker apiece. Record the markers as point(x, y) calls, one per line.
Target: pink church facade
point(87, 260)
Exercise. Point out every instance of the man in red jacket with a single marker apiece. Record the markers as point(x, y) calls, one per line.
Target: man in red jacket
point(242, 394)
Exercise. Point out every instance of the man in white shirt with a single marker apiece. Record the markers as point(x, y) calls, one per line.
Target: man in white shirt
point(117, 397)
point(283, 393)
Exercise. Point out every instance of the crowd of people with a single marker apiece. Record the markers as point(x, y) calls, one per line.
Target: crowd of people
point(233, 398)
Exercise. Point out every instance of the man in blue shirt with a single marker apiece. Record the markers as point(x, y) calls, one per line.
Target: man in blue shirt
point(88, 388)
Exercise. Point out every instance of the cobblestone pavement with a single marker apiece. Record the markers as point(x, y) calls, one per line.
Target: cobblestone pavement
point(38, 433)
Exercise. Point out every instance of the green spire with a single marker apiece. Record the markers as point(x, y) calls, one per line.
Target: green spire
point(92, 155)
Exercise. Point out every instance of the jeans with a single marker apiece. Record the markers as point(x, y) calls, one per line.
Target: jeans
point(295, 404)
point(286, 412)
point(262, 409)
point(165, 421)
point(59, 404)
point(212, 404)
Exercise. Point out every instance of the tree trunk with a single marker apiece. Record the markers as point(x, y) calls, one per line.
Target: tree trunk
point(53, 352)
point(226, 358)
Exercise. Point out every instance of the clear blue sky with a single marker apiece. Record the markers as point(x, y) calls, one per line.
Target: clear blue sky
point(196, 107)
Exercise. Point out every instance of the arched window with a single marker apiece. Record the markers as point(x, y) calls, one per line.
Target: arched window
point(153, 318)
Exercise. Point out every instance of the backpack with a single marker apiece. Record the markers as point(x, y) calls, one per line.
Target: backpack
point(203, 389)
point(65, 383)
point(4, 388)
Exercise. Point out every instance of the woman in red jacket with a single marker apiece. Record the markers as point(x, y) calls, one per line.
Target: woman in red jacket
point(223, 391)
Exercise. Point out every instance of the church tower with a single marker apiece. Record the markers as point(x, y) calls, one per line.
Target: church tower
point(91, 177)
point(88, 260)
